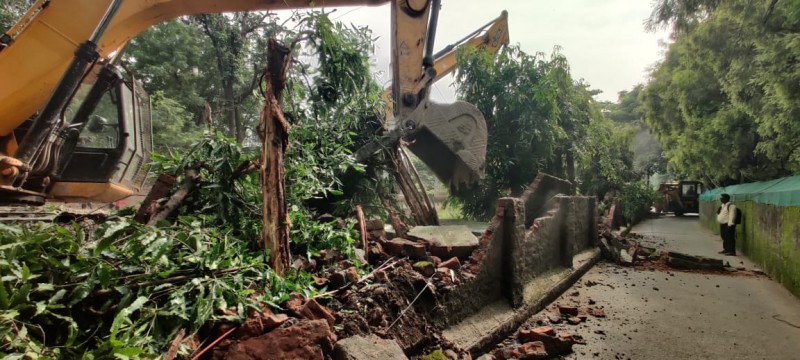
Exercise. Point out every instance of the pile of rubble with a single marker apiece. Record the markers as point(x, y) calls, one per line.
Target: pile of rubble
point(540, 340)
point(626, 249)
point(395, 301)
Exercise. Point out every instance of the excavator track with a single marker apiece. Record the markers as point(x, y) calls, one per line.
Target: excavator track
point(55, 214)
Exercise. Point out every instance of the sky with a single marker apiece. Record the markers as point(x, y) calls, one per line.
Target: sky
point(604, 40)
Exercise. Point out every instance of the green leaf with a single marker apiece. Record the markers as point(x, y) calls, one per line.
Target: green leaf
point(104, 275)
point(41, 307)
point(128, 352)
point(82, 291)
point(21, 295)
point(123, 318)
point(57, 296)
point(5, 303)
point(45, 287)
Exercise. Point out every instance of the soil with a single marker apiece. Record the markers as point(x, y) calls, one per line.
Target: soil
point(394, 301)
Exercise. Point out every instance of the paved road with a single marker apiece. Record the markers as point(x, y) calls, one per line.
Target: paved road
point(679, 315)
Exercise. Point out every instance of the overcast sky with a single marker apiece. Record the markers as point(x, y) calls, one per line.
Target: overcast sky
point(604, 40)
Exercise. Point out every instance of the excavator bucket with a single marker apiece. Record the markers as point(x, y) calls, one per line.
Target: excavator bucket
point(451, 140)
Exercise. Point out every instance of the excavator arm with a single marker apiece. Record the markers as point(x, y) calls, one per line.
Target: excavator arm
point(445, 164)
point(59, 45)
point(490, 37)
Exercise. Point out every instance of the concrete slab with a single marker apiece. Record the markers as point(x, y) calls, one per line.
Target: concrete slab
point(447, 241)
point(445, 235)
point(486, 321)
point(367, 348)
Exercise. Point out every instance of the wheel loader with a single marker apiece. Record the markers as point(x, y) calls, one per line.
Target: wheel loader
point(679, 197)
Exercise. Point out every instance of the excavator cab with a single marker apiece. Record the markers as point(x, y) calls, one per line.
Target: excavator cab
point(108, 141)
point(99, 151)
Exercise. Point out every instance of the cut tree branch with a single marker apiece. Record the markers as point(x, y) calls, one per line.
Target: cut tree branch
point(177, 198)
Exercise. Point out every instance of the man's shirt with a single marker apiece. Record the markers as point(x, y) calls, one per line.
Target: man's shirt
point(727, 214)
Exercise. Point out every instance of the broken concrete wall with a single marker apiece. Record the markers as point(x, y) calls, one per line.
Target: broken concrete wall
point(516, 253)
point(486, 286)
point(581, 222)
point(551, 241)
point(540, 195)
point(769, 235)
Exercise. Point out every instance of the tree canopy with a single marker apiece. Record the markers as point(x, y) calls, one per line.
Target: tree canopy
point(723, 101)
point(539, 119)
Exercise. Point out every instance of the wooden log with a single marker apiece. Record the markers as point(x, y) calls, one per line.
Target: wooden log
point(175, 201)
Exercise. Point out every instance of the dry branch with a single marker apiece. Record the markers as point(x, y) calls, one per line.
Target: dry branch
point(362, 228)
point(173, 348)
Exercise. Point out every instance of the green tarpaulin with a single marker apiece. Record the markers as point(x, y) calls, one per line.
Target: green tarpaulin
point(779, 192)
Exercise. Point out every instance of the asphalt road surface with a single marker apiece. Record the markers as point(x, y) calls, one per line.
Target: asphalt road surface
point(665, 314)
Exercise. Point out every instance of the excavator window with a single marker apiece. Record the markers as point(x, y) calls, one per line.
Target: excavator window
point(102, 128)
point(101, 142)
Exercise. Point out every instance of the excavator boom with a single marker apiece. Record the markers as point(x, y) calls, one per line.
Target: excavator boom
point(41, 45)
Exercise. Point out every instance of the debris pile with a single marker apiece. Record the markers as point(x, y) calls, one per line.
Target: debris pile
point(547, 335)
point(394, 303)
point(626, 249)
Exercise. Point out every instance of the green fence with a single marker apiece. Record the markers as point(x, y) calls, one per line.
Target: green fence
point(770, 229)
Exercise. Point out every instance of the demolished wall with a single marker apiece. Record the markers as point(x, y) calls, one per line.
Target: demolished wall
point(519, 247)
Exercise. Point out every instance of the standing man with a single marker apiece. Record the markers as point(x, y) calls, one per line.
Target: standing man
point(726, 217)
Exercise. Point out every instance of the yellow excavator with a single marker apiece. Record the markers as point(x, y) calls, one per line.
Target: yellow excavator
point(74, 126)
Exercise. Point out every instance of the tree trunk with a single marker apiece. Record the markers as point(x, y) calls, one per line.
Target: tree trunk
point(273, 131)
point(230, 111)
point(175, 201)
point(571, 166)
point(558, 163)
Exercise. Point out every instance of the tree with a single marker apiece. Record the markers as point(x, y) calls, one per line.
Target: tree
point(538, 119)
point(520, 107)
point(681, 15)
point(238, 43)
point(207, 61)
point(722, 102)
point(333, 107)
point(11, 11)
point(627, 109)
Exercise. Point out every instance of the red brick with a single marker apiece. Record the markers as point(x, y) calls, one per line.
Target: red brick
point(312, 310)
point(295, 302)
point(568, 310)
point(452, 264)
point(543, 333)
point(597, 312)
point(304, 340)
point(351, 274)
point(574, 320)
point(533, 350)
point(402, 247)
